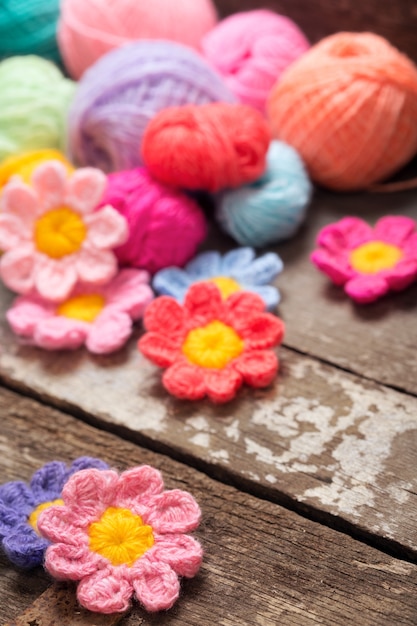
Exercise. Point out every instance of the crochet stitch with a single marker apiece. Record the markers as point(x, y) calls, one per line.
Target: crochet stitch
point(368, 262)
point(210, 346)
point(121, 535)
point(100, 318)
point(238, 270)
point(52, 235)
point(21, 504)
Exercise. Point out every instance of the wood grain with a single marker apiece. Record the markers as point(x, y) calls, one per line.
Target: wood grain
point(397, 21)
point(263, 565)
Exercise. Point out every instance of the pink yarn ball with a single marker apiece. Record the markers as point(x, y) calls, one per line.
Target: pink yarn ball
point(166, 226)
point(251, 50)
point(90, 28)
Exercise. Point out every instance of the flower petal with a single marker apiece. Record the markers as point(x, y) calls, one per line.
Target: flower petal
point(204, 265)
point(129, 292)
point(261, 331)
point(61, 524)
point(68, 561)
point(172, 281)
point(181, 552)
point(394, 229)
point(26, 312)
point(364, 289)
point(262, 270)
point(346, 234)
point(20, 200)
point(161, 350)
point(109, 332)
point(173, 511)
point(24, 547)
point(105, 591)
point(269, 294)
point(85, 189)
point(241, 305)
point(106, 228)
point(89, 492)
point(222, 385)
point(18, 496)
point(55, 279)
point(334, 265)
point(203, 303)
point(60, 333)
point(236, 261)
point(137, 485)
point(410, 246)
point(258, 368)
point(16, 269)
point(96, 266)
point(184, 381)
point(402, 275)
point(9, 519)
point(12, 232)
point(164, 315)
point(85, 462)
point(47, 482)
point(156, 585)
point(49, 182)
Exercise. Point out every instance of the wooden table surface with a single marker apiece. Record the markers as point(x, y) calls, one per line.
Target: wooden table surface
point(308, 489)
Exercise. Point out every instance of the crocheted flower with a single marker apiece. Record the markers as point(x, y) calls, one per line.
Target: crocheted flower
point(369, 262)
point(51, 234)
point(237, 270)
point(121, 535)
point(21, 504)
point(100, 318)
point(212, 345)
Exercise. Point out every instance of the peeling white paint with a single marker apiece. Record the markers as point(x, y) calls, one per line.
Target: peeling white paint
point(198, 423)
point(233, 431)
point(222, 455)
point(201, 439)
point(270, 478)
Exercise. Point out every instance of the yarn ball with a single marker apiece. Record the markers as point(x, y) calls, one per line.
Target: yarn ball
point(165, 225)
point(272, 208)
point(119, 95)
point(251, 50)
point(349, 106)
point(88, 30)
point(29, 27)
point(207, 147)
point(24, 164)
point(34, 100)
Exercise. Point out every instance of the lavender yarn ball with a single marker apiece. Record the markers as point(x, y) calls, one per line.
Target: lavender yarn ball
point(121, 93)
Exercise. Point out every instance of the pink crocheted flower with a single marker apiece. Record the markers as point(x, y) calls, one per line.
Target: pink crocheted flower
point(122, 534)
point(100, 318)
point(51, 235)
point(212, 345)
point(369, 262)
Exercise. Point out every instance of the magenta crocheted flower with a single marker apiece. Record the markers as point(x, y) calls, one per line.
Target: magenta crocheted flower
point(51, 234)
point(121, 535)
point(368, 261)
point(101, 318)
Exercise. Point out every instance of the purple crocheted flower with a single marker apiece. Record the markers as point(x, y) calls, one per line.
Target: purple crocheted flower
point(21, 504)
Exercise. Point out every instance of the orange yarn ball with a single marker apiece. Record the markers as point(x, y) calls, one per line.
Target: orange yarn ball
point(208, 147)
point(349, 107)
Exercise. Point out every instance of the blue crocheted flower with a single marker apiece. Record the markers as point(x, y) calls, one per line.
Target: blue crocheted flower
point(21, 503)
point(237, 270)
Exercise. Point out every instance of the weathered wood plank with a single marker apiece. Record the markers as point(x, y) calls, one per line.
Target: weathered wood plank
point(328, 441)
point(397, 21)
point(263, 565)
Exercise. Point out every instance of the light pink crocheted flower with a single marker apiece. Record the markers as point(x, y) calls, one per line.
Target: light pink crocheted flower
point(51, 235)
point(369, 262)
point(101, 318)
point(120, 535)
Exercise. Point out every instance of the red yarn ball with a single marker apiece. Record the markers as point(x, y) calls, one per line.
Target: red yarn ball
point(166, 226)
point(209, 147)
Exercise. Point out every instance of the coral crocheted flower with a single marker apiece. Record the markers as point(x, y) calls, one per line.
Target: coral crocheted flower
point(21, 504)
point(51, 234)
point(100, 318)
point(237, 270)
point(369, 262)
point(122, 534)
point(212, 345)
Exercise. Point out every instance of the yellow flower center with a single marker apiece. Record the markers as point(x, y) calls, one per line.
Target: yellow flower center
point(33, 517)
point(226, 285)
point(59, 232)
point(374, 256)
point(213, 345)
point(120, 536)
point(84, 308)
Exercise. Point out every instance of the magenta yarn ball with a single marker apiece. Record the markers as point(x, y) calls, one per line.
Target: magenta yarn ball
point(88, 29)
point(251, 50)
point(166, 226)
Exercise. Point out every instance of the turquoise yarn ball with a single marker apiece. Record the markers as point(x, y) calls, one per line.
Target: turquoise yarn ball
point(29, 27)
point(273, 207)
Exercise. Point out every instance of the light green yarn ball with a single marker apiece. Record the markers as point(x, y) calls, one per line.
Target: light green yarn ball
point(34, 101)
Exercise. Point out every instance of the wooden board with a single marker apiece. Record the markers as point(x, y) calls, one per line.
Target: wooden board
point(263, 565)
